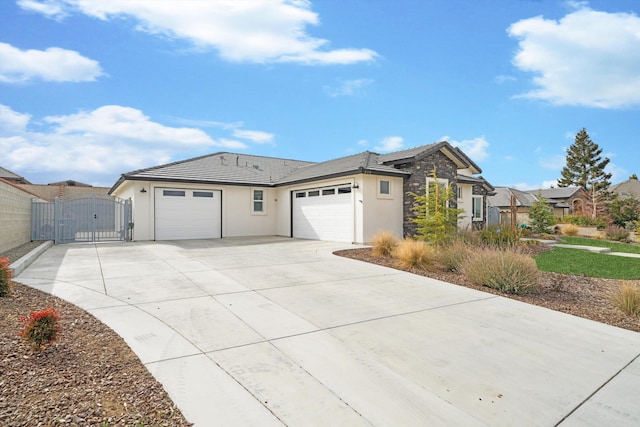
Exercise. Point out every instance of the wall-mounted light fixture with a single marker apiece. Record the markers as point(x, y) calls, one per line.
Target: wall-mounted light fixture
point(143, 190)
point(355, 185)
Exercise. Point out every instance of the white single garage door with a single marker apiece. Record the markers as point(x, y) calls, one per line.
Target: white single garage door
point(323, 214)
point(187, 214)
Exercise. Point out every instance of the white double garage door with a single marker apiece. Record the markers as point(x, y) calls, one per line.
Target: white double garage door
point(316, 213)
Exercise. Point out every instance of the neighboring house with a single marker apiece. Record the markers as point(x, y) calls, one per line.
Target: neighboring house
point(349, 199)
point(505, 198)
point(628, 188)
point(65, 190)
point(563, 201)
point(14, 178)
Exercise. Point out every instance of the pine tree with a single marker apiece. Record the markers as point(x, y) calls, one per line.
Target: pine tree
point(585, 169)
point(436, 221)
point(541, 215)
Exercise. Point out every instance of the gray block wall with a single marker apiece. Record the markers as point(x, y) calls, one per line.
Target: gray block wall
point(15, 217)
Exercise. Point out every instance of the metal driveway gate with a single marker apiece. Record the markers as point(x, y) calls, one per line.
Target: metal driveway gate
point(81, 220)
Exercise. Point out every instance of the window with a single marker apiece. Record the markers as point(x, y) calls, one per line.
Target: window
point(385, 187)
point(329, 192)
point(314, 193)
point(459, 192)
point(173, 193)
point(344, 190)
point(258, 201)
point(203, 194)
point(443, 184)
point(301, 194)
point(477, 205)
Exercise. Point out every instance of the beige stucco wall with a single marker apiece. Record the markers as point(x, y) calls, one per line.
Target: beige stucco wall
point(465, 203)
point(237, 219)
point(15, 216)
point(379, 212)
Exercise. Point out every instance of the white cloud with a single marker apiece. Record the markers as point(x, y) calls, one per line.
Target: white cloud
point(51, 8)
point(104, 142)
point(587, 58)
point(257, 136)
point(475, 148)
point(390, 143)
point(348, 87)
point(12, 121)
point(52, 64)
point(256, 31)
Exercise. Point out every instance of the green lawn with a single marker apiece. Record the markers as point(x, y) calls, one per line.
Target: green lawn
point(576, 261)
point(614, 246)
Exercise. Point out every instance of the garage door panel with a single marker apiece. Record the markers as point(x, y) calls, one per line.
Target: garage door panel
point(187, 214)
point(323, 214)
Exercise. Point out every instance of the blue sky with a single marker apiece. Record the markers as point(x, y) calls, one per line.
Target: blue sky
point(93, 89)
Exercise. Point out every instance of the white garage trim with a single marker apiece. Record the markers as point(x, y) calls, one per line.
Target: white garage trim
point(323, 213)
point(187, 213)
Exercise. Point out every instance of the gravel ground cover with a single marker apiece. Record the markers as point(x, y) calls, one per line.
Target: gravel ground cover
point(88, 377)
point(581, 296)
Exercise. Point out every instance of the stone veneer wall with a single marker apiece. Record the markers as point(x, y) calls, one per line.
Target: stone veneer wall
point(416, 183)
point(15, 217)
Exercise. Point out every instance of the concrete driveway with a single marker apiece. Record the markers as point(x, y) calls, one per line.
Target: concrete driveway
point(276, 331)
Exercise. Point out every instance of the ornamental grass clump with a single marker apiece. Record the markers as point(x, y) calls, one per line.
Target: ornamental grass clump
point(627, 298)
point(5, 277)
point(41, 327)
point(384, 243)
point(454, 254)
point(570, 230)
point(507, 270)
point(416, 255)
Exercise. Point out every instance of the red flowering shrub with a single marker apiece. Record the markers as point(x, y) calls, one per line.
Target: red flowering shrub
point(41, 327)
point(5, 277)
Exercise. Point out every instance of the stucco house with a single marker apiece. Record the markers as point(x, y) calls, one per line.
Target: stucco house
point(628, 188)
point(348, 199)
point(563, 201)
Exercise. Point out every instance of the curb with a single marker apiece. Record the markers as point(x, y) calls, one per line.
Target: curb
point(20, 265)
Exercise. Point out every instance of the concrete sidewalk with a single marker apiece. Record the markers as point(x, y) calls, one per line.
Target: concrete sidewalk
point(276, 331)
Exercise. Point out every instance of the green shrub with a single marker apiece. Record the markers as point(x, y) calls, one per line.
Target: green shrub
point(585, 221)
point(507, 270)
point(617, 234)
point(415, 254)
point(627, 298)
point(384, 243)
point(499, 236)
point(453, 255)
point(5, 277)
point(41, 327)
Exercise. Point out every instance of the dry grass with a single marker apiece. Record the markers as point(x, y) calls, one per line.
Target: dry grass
point(384, 243)
point(415, 254)
point(627, 298)
point(506, 270)
point(570, 230)
point(455, 254)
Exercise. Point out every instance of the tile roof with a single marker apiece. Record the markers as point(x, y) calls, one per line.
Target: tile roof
point(556, 193)
point(357, 163)
point(243, 169)
point(628, 188)
point(11, 176)
point(424, 150)
point(221, 167)
point(503, 195)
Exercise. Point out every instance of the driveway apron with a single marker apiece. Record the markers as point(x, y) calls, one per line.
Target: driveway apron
point(276, 331)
